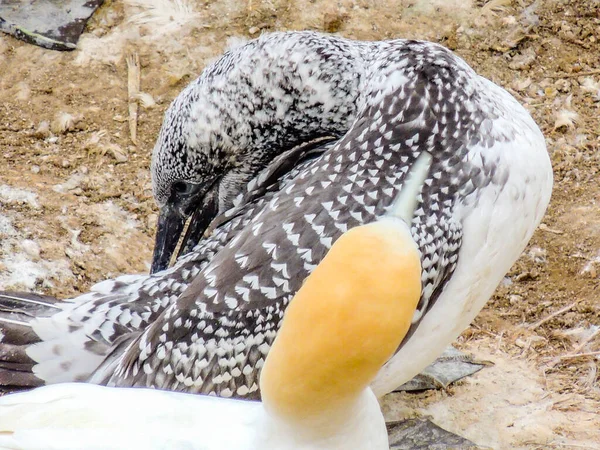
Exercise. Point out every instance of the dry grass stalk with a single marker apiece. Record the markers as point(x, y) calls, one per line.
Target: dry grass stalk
point(573, 75)
point(579, 355)
point(133, 88)
point(546, 228)
point(553, 315)
point(586, 341)
point(575, 353)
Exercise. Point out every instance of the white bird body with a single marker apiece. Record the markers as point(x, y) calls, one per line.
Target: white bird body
point(76, 416)
point(498, 222)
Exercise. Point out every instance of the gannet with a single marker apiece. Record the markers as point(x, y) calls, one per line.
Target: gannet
point(278, 148)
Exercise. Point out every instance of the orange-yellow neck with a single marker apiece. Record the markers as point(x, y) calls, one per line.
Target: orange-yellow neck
point(345, 322)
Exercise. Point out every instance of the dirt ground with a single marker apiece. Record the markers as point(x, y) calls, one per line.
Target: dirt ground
point(76, 205)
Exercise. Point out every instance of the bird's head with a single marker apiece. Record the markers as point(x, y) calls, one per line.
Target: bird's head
point(200, 163)
point(250, 106)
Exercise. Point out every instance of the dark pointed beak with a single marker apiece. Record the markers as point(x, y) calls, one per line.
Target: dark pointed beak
point(169, 228)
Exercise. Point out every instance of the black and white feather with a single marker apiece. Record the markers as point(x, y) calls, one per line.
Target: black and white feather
point(206, 324)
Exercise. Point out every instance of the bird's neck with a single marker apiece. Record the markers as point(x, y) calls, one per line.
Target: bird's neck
point(342, 326)
point(359, 424)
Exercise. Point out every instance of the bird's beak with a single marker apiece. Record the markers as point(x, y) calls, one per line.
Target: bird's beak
point(170, 225)
point(171, 222)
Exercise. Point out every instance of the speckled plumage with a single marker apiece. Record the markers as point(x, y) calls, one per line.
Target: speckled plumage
point(206, 324)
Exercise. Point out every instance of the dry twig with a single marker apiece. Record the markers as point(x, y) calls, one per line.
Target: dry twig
point(133, 88)
point(553, 315)
point(586, 341)
point(574, 75)
point(546, 228)
point(578, 355)
point(575, 353)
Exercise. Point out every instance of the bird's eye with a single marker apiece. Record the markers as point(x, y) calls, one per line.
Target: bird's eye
point(180, 187)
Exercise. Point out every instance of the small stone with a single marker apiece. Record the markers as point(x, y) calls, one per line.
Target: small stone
point(31, 248)
point(524, 60)
point(151, 221)
point(253, 30)
point(515, 299)
point(23, 91)
point(526, 276)
point(520, 84)
point(35, 169)
point(562, 85)
point(72, 183)
point(538, 255)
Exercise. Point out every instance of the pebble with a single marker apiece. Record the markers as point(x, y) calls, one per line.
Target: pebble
point(31, 248)
point(151, 221)
point(515, 299)
point(526, 276)
point(524, 60)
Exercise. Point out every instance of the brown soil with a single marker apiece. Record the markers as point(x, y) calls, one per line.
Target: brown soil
point(92, 215)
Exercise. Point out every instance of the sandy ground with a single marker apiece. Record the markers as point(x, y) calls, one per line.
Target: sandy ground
point(76, 204)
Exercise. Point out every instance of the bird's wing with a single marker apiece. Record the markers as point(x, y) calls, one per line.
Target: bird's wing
point(69, 341)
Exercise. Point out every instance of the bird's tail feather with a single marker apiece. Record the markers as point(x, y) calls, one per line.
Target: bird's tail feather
point(17, 310)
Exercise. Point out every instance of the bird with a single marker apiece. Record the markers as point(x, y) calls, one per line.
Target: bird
point(278, 148)
point(343, 324)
